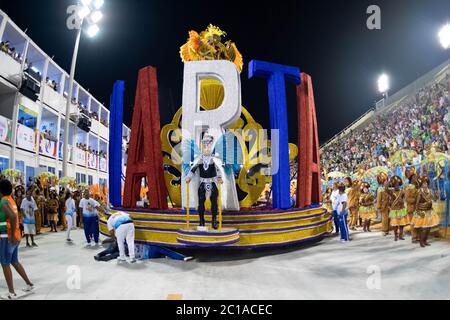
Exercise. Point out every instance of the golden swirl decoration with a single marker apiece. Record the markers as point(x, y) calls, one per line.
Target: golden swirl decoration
point(252, 140)
point(208, 46)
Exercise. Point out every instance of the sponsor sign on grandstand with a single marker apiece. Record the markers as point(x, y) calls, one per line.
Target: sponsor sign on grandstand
point(47, 147)
point(92, 161)
point(103, 164)
point(5, 130)
point(26, 138)
point(81, 157)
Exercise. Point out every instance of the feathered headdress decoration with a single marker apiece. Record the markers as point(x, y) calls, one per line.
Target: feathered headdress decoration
point(208, 46)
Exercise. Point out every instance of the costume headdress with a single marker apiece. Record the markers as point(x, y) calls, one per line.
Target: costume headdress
point(382, 177)
point(423, 179)
point(410, 171)
point(365, 185)
point(208, 46)
point(396, 181)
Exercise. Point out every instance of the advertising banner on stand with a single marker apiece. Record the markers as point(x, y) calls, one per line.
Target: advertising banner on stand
point(5, 130)
point(47, 147)
point(92, 161)
point(81, 157)
point(103, 164)
point(26, 138)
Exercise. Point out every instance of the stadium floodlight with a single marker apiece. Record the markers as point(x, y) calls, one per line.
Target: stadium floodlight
point(88, 15)
point(93, 30)
point(383, 84)
point(98, 4)
point(84, 12)
point(96, 16)
point(444, 36)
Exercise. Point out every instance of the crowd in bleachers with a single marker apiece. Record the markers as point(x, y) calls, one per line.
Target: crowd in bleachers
point(420, 122)
point(5, 46)
point(84, 147)
point(52, 84)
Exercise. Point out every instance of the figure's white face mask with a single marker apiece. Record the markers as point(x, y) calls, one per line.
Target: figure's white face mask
point(207, 147)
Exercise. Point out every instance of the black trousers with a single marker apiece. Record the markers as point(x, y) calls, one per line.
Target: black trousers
point(111, 253)
point(202, 198)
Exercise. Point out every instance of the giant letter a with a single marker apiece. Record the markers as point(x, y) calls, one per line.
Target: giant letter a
point(144, 154)
point(308, 189)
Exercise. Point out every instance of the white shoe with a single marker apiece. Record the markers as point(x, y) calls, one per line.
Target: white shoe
point(119, 260)
point(9, 296)
point(133, 260)
point(188, 258)
point(93, 244)
point(28, 288)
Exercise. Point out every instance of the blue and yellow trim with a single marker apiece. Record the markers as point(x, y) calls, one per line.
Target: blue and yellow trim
point(254, 229)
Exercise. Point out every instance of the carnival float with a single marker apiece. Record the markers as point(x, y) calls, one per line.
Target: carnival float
point(254, 168)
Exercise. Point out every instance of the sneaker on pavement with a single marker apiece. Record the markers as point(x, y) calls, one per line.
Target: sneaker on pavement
point(9, 296)
point(133, 260)
point(28, 288)
point(121, 260)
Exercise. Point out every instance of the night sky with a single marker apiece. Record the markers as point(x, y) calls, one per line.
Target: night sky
point(327, 39)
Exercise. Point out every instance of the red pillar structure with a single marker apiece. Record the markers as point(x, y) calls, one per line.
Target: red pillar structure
point(144, 152)
point(308, 186)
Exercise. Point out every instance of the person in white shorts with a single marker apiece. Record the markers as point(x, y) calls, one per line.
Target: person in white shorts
point(28, 209)
point(71, 214)
point(121, 226)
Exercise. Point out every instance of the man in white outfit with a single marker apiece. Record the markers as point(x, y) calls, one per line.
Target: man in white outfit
point(120, 226)
point(334, 204)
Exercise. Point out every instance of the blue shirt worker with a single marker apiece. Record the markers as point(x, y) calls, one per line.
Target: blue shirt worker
point(89, 209)
point(121, 226)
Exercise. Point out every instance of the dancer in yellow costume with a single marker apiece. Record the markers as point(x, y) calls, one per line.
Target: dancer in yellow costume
point(383, 203)
point(411, 198)
point(398, 214)
point(424, 218)
point(353, 192)
point(327, 199)
point(366, 206)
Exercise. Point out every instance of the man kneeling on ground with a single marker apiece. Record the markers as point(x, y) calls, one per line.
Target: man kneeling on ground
point(121, 227)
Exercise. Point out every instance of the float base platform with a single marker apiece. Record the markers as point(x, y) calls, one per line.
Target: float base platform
point(241, 230)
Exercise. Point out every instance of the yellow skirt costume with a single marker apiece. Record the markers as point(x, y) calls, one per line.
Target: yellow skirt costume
point(399, 218)
point(425, 219)
point(367, 213)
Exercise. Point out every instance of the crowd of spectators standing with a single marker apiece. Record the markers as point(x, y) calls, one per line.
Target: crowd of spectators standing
point(84, 147)
point(419, 123)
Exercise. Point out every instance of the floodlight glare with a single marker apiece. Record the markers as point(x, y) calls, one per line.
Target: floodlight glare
point(86, 3)
point(98, 3)
point(383, 83)
point(93, 30)
point(96, 16)
point(84, 12)
point(444, 36)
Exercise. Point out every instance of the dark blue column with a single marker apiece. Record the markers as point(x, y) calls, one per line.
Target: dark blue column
point(115, 144)
point(276, 76)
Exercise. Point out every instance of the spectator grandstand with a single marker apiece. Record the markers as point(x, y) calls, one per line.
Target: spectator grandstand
point(418, 121)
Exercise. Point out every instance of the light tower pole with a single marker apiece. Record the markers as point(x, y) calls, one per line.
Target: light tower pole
point(87, 10)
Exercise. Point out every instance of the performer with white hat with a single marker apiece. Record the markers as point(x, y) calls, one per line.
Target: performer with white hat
point(209, 168)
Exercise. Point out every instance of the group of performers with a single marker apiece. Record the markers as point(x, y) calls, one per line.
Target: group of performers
point(398, 206)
